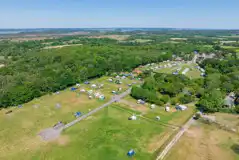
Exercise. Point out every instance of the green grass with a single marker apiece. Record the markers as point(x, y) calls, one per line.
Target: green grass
point(20, 128)
point(193, 73)
point(2, 58)
point(108, 134)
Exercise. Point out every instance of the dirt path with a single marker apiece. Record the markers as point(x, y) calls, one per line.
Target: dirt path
point(175, 139)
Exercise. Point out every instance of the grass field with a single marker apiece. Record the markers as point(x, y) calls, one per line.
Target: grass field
point(173, 117)
point(205, 142)
point(192, 73)
point(106, 134)
point(20, 127)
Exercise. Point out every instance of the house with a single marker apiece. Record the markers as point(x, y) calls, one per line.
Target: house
point(181, 107)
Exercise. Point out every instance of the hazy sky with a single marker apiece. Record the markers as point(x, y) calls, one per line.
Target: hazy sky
point(119, 13)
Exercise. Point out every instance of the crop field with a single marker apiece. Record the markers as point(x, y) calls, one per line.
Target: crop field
point(203, 141)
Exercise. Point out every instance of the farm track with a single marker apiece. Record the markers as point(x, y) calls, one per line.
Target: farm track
point(175, 139)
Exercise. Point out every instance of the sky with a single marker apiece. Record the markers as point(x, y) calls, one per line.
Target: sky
point(212, 14)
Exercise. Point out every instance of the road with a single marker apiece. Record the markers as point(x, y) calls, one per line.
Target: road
point(116, 98)
point(175, 139)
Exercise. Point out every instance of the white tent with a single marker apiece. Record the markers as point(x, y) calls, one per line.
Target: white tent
point(77, 85)
point(152, 106)
point(93, 85)
point(167, 108)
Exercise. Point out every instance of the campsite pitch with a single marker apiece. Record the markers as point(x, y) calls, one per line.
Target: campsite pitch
point(108, 134)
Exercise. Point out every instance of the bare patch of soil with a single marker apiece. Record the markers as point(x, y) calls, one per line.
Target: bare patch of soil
point(63, 140)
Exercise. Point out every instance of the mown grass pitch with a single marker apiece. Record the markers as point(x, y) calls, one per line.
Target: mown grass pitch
point(19, 129)
point(106, 135)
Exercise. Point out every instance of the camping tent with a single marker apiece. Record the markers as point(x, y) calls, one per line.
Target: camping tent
point(131, 153)
point(73, 89)
point(77, 114)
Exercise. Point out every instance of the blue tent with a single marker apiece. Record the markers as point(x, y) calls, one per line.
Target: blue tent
point(20, 106)
point(131, 153)
point(73, 89)
point(87, 82)
point(77, 114)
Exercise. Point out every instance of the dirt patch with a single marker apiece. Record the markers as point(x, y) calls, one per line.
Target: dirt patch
point(50, 134)
point(63, 140)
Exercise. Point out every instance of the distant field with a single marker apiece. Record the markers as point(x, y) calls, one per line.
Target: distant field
point(116, 37)
point(178, 39)
point(205, 142)
point(61, 46)
point(192, 73)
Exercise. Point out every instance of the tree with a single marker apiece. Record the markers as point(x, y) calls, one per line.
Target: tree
point(211, 101)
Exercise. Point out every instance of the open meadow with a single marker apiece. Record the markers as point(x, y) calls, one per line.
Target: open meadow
point(203, 141)
point(106, 134)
